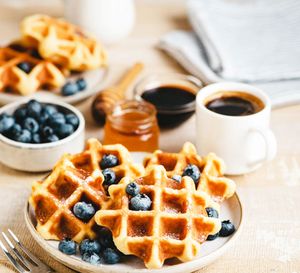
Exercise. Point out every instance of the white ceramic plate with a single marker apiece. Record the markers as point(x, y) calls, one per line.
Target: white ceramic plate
point(95, 80)
point(211, 250)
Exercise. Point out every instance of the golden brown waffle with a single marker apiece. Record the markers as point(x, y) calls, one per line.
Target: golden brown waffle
point(19, 45)
point(62, 43)
point(12, 78)
point(89, 160)
point(212, 178)
point(175, 226)
point(76, 178)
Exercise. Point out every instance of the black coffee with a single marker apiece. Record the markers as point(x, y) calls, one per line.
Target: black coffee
point(234, 104)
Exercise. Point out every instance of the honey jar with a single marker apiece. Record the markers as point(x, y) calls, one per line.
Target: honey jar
point(133, 124)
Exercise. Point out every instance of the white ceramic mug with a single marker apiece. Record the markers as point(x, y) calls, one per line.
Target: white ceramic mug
point(109, 20)
point(243, 142)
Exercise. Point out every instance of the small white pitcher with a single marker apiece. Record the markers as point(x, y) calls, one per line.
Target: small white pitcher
point(108, 20)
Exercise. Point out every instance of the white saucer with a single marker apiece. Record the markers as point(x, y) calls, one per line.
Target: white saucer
point(211, 250)
point(95, 81)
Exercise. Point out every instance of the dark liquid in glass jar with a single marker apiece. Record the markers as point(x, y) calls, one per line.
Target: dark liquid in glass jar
point(168, 96)
point(174, 104)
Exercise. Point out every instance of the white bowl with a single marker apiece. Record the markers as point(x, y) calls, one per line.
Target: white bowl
point(39, 157)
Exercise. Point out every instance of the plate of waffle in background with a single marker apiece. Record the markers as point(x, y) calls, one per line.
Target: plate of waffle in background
point(107, 210)
point(51, 58)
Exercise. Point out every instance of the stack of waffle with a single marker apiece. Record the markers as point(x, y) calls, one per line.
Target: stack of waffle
point(50, 48)
point(176, 224)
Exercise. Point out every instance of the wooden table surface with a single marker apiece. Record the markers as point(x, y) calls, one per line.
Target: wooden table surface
point(270, 240)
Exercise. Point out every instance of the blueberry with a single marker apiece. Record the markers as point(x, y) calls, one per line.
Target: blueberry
point(15, 130)
point(52, 138)
point(69, 89)
point(49, 109)
point(193, 172)
point(56, 119)
point(105, 238)
point(43, 117)
point(140, 202)
point(227, 228)
point(111, 256)
point(81, 84)
point(31, 125)
point(211, 212)
point(67, 246)
point(24, 136)
point(89, 246)
point(72, 119)
point(36, 138)
point(20, 114)
point(93, 258)
point(109, 177)
point(64, 130)
point(34, 108)
point(133, 189)
point(6, 122)
point(212, 237)
point(84, 211)
point(177, 178)
point(47, 131)
point(25, 66)
point(109, 161)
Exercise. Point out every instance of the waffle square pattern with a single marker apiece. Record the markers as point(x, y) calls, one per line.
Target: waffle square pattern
point(62, 43)
point(212, 180)
point(175, 226)
point(89, 160)
point(41, 74)
point(76, 178)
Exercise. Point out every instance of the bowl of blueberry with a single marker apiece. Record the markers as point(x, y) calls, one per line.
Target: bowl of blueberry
point(35, 134)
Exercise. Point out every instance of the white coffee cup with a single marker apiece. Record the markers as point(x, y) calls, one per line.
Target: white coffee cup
point(109, 20)
point(243, 142)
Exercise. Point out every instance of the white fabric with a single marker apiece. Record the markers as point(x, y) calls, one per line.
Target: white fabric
point(251, 41)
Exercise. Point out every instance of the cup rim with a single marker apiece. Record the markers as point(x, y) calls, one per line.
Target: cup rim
point(232, 87)
point(33, 146)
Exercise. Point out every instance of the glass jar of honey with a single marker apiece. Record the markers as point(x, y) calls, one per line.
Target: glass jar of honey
point(133, 124)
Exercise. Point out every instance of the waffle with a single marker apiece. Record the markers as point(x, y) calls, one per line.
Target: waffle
point(76, 178)
point(19, 45)
point(62, 43)
point(212, 168)
point(175, 226)
point(89, 160)
point(12, 78)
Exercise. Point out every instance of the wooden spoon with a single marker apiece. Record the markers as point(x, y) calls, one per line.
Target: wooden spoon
point(107, 98)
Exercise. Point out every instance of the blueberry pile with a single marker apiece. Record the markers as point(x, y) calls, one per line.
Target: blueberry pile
point(227, 228)
point(71, 88)
point(36, 122)
point(138, 201)
point(93, 251)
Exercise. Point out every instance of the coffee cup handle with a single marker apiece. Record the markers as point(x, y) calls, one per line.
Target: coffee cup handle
point(270, 145)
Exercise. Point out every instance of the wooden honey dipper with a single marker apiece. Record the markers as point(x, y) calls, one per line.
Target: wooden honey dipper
point(107, 98)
